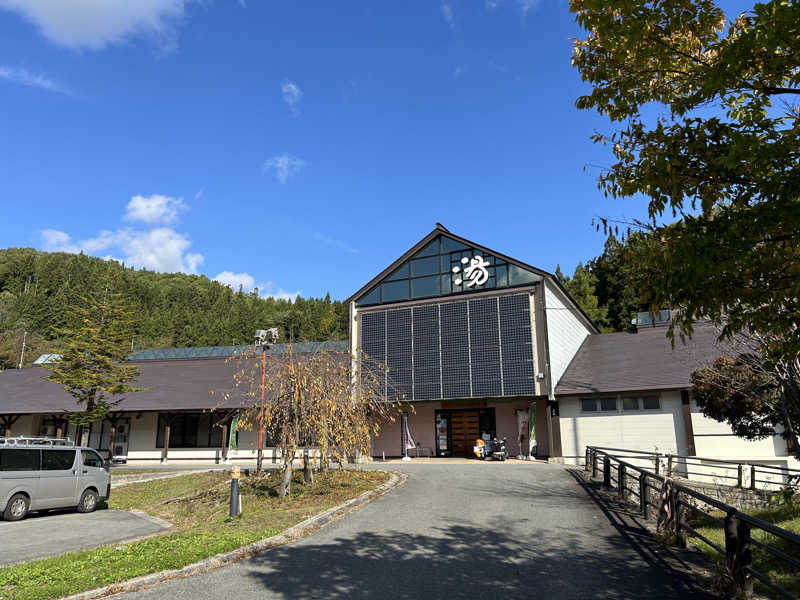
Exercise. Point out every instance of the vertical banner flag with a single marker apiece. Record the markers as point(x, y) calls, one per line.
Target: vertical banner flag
point(408, 441)
point(532, 429)
point(232, 437)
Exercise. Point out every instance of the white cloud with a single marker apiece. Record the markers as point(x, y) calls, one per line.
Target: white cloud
point(284, 166)
point(24, 77)
point(162, 249)
point(448, 14)
point(492, 4)
point(96, 23)
point(248, 283)
point(155, 209)
point(292, 94)
point(235, 280)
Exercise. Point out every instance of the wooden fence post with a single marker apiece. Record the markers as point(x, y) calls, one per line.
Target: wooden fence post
point(606, 471)
point(621, 475)
point(594, 463)
point(740, 476)
point(586, 459)
point(680, 520)
point(738, 556)
point(643, 489)
point(752, 477)
point(669, 465)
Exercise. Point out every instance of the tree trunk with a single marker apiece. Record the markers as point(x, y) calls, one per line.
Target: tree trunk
point(286, 481)
point(165, 450)
point(112, 435)
point(308, 471)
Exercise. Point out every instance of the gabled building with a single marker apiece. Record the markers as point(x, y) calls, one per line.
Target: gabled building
point(481, 344)
point(476, 343)
point(474, 340)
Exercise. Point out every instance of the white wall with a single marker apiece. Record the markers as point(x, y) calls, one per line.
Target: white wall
point(566, 331)
point(716, 440)
point(647, 430)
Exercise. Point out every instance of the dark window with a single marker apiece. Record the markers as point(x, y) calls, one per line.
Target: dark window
point(91, 459)
point(608, 404)
point(395, 290)
point(400, 272)
point(57, 460)
point(440, 257)
point(519, 276)
point(19, 460)
point(650, 403)
point(425, 286)
point(431, 249)
point(425, 266)
point(630, 404)
point(589, 405)
point(184, 432)
point(374, 297)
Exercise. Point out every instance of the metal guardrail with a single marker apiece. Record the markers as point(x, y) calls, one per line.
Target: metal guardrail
point(35, 441)
point(737, 525)
point(745, 474)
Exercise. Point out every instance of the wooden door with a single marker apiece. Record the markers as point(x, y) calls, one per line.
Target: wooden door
point(464, 431)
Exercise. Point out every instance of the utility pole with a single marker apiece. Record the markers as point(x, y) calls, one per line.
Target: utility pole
point(22, 354)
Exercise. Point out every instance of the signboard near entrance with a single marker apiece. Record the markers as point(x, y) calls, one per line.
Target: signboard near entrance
point(441, 432)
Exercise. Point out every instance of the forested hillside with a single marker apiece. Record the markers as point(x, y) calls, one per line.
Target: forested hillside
point(171, 309)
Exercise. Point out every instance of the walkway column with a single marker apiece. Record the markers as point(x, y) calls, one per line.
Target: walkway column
point(225, 442)
point(686, 411)
point(7, 421)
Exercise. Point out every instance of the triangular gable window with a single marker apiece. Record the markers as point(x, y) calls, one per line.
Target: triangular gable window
point(447, 267)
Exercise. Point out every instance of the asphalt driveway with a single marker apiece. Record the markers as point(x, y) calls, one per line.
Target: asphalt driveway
point(460, 531)
point(47, 534)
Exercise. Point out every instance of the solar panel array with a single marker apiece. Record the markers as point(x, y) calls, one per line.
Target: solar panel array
point(464, 349)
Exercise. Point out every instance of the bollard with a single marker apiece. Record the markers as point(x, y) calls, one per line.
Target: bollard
point(236, 498)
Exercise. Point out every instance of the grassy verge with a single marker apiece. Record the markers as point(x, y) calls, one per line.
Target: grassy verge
point(198, 507)
point(777, 570)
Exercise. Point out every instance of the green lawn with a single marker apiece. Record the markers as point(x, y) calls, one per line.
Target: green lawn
point(202, 528)
point(777, 570)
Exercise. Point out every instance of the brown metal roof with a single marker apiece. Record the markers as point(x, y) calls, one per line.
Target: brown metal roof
point(620, 362)
point(169, 386)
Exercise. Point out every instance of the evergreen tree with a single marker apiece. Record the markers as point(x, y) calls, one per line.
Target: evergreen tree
point(582, 289)
point(95, 344)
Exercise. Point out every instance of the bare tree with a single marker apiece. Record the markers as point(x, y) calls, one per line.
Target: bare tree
point(314, 404)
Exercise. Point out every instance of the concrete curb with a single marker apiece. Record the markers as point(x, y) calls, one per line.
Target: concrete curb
point(302, 529)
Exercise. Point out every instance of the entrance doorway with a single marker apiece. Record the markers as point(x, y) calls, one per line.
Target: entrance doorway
point(457, 430)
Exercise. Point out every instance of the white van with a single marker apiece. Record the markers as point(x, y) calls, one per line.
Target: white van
point(43, 473)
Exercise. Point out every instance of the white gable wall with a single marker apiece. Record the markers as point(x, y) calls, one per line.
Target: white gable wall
point(566, 330)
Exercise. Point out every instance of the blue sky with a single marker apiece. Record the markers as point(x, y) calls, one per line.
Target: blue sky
point(297, 146)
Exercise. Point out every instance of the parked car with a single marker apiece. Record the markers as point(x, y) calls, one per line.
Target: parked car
point(40, 474)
